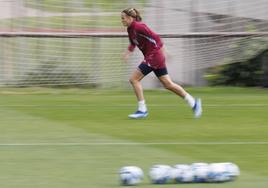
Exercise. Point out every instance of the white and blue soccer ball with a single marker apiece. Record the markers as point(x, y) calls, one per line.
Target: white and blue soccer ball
point(233, 170)
point(160, 174)
point(130, 175)
point(182, 173)
point(222, 172)
point(200, 172)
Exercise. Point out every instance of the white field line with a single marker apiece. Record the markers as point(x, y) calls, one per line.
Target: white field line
point(135, 143)
point(130, 105)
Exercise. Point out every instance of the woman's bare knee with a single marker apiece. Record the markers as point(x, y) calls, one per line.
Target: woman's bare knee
point(133, 81)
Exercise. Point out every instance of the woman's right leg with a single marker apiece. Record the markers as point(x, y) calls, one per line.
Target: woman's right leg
point(135, 79)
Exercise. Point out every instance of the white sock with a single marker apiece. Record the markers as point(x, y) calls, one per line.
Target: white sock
point(190, 100)
point(142, 106)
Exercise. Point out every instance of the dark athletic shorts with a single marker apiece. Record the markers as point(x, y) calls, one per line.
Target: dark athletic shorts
point(146, 69)
point(154, 62)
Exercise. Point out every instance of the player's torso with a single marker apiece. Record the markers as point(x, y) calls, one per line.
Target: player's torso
point(145, 42)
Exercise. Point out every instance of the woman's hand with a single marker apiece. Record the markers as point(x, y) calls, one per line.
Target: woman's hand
point(126, 55)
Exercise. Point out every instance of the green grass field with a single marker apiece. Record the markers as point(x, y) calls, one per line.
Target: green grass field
point(66, 138)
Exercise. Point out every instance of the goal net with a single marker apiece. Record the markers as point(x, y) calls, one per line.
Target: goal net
point(80, 43)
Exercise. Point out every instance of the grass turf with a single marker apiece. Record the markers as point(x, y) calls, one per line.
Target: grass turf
point(80, 138)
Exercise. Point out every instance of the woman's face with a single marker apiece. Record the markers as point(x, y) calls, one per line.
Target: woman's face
point(126, 20)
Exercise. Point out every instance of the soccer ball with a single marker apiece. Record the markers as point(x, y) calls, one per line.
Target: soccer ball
point(130, 175)
point(218, 173)
point(183, 173)
point(233, 170)
point(200, 171)
point(222, 172)
point(160, 174)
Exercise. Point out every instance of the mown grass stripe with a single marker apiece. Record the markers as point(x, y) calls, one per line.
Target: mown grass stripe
point(136, 143)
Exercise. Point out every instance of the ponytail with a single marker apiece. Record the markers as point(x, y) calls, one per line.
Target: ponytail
point(138, 15)
point(134, 13)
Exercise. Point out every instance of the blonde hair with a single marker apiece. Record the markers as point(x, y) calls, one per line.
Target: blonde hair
point(134, 13)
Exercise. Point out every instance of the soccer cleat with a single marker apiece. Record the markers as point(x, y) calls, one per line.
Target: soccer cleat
point(197, 108)
point(138, 114)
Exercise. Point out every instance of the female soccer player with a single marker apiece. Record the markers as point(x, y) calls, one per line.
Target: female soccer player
point(151, 46)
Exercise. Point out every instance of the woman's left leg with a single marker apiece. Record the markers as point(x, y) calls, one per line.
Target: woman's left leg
point(170, 85)
point(195, 104)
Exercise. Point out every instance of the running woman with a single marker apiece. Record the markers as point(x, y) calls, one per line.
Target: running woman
point(151, 46)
